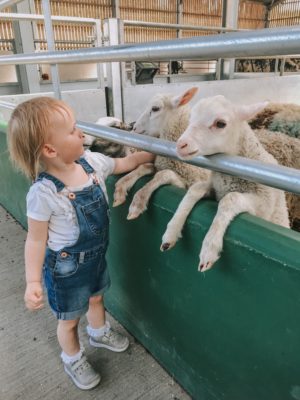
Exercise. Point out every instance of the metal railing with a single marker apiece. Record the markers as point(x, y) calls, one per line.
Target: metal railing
point(146, 24)
point(279, 177)
point(38, 17)
point(8, 3)
point(263, 42)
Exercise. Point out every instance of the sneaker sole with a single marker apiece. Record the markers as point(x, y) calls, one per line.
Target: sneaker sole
point(83, 387)
point(105, 346)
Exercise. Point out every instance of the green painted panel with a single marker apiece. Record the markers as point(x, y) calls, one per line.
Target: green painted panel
point(14, 185)
point(232, 333)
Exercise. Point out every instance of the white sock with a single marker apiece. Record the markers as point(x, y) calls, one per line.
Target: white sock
point(70, 359)
point(97, 332)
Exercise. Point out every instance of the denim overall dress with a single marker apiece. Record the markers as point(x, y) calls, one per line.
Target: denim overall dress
point(75, 273)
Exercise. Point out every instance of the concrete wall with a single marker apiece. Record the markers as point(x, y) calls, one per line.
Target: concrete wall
point(89, 105)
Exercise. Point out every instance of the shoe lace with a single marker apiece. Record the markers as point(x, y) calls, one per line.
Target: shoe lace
point(111, 336)
point(81, 366)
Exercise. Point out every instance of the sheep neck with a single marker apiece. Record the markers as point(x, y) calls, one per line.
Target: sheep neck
point(176, 124)
point(248, 144)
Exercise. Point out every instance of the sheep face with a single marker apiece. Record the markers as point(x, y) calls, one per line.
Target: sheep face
point(161, 109)
point(214, 127)
point(209, 129)
point(151, 121)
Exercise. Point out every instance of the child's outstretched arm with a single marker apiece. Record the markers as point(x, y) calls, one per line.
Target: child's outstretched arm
point(132, 161)
point(35, 247)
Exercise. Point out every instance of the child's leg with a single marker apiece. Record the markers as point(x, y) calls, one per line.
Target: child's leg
point(67, 334)
point(99, 330)
point(75, 362)
point(96, 312)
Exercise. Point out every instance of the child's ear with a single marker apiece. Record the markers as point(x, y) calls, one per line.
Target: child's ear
point(49, 151)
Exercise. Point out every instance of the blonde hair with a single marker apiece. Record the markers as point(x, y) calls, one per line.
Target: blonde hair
point(28, 129)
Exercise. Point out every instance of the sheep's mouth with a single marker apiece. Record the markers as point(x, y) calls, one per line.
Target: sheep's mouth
point(192, 153)
point(185, 155)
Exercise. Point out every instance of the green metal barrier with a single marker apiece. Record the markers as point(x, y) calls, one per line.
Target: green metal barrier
point(14, 185)
point(232, 333)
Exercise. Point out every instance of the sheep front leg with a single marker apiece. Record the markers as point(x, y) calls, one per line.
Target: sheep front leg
point(125, 184)
point(230, 205)
point(141, 198)
point(174, 228)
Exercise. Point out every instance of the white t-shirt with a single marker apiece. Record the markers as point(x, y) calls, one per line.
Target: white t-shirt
point(45, 204)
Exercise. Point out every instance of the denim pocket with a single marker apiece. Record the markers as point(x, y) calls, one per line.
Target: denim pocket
point(96, 216)
point(65, 266)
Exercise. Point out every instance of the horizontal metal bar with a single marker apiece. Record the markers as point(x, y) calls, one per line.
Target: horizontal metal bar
point(263, 42)
point(180, 26)
point(279, 177)
point(39, 17)
point(5, 104)
point(8, 3)
point(65, 41)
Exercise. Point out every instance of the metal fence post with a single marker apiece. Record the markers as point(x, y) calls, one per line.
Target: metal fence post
point(114, 75)
point(51, 47)
point(98, 42)
point(28, 77)
point(230, 19)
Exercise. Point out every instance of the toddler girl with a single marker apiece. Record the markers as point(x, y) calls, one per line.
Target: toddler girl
point(68, 221)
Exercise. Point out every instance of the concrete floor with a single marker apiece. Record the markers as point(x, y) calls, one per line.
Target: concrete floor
point(30, 367)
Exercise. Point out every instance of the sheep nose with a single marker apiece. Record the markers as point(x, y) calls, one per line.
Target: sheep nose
point(181, 144)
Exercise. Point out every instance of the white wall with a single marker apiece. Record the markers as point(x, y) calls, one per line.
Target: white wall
point(71, 72)
point(89, 105)
point(7, 72)
point(242, 91)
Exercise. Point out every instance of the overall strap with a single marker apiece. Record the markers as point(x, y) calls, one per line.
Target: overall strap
point(85, 165)
point(59, 184)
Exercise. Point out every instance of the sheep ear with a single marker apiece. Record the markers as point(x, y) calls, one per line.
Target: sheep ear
point(184, 98)
point(248, 112)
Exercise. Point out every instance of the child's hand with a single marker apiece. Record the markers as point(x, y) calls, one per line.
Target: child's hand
point(126, 164)
point(34, 296)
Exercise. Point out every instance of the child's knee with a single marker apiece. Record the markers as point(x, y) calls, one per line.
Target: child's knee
point(68, 324)
point(96, 300)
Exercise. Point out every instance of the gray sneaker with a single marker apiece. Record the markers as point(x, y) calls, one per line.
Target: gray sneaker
point(82, 374)
point(111, 340)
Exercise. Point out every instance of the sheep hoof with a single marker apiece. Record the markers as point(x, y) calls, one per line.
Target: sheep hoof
point(205, 267)
point(164, 246)
point(132, 215)
point(118, 202)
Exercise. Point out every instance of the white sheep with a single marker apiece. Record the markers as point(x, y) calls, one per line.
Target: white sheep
point(286, 150)
point(165, 116)
point(105, 146)
point(270, 124)
point(218, 126)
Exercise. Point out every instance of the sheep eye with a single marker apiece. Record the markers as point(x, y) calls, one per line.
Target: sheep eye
point(155, 109)
point(220, 124)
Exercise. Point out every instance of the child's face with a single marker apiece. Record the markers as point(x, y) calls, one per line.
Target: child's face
point(66, 139)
